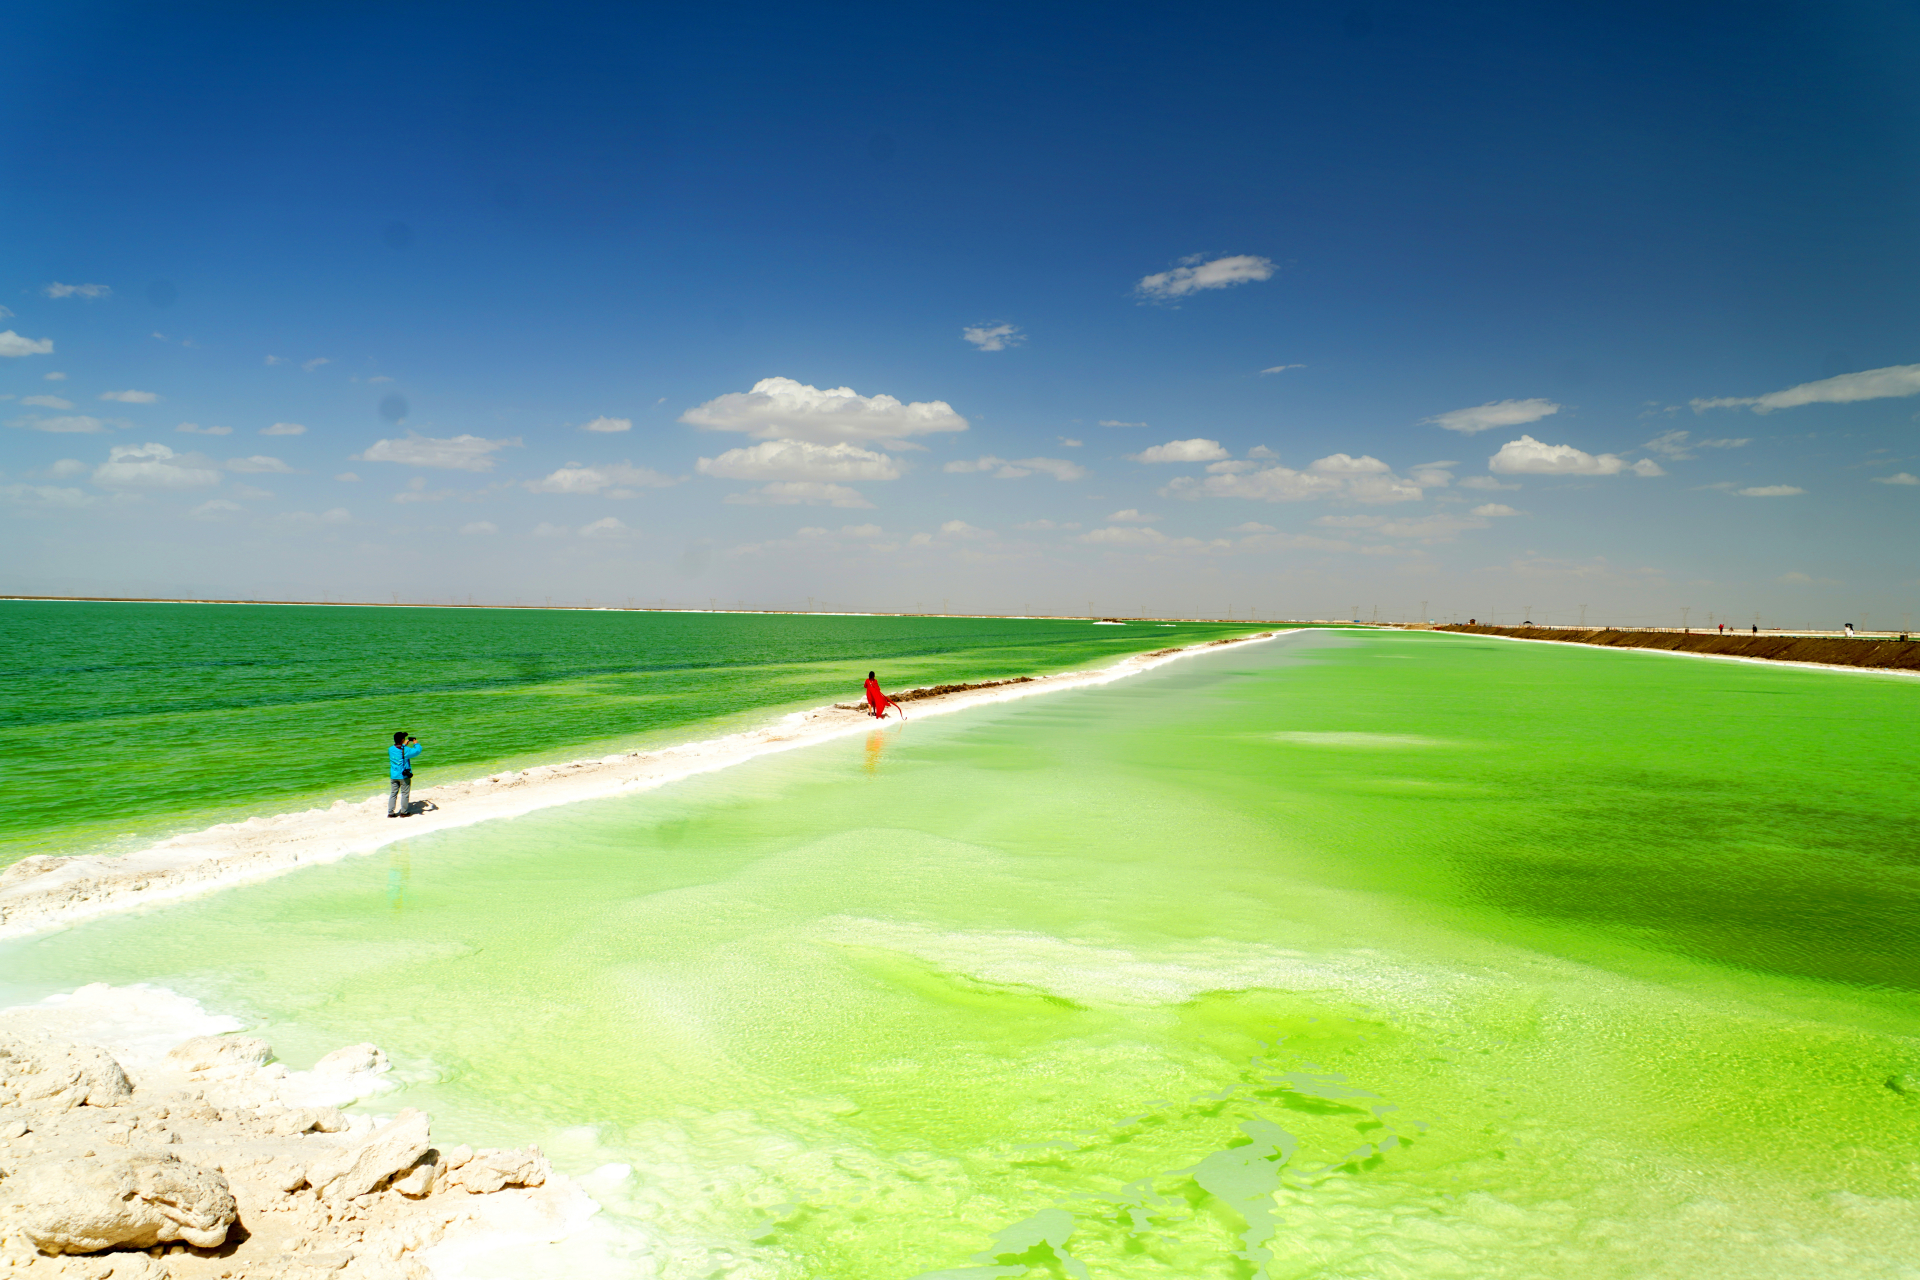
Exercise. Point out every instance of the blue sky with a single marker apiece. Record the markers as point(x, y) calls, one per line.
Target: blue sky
point(519, 273)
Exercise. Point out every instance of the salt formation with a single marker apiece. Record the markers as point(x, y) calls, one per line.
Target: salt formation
point(209, 1162)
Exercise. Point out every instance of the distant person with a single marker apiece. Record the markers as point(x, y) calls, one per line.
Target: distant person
point(880, 701)
point(1849, 631)
point(1756, 628)
point(400, 773)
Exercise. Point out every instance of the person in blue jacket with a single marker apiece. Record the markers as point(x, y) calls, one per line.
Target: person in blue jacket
point(400, 773)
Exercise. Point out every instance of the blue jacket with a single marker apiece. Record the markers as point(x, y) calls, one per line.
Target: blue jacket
point(399, 758)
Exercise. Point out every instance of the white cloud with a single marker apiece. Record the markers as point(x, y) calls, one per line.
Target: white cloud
point(1069, 443)
point(73, 424)
point(1018, 469)
point(45, 495)
point(195, 429)
point(993, 337)
point(58, 290)
point(55, 376)
point(1122, 536)
point(5, 312)
point(1340, 464)
point(1527, 456)
point(1195, 450)
point(1261, 451)
point(1485, 482)
point(284, 429)
point(1115, 422)
point(459, 453)
point(800, 460)
point(1494, 509)
point(1771, 491)
point(1495, 413)
point(214, 509)
point(480, 527)
point(780, 408)
point(12, 344)
point(259, 464)
point(787, 493)
point(961, 529)
point(1231, 466)
point(1676, 445)
point(607, 425)
point(315, 363)
point(1281, 368)
point(1131, 516)
point(348, 476)
point(1271, 484)
point(1041, 526)
point(1193, 275)
point(1900, 477)
point(1872, 384)
point(130, 397)
point(1432, 475)
point(379, 377)
point(47, 402)
point(605, 527)
point(153, 466)
point(247, 493)
point(613, 479)
point(68, 467)
point(846, 531)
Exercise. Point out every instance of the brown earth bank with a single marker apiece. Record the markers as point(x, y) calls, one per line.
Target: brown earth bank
point(1891, 655)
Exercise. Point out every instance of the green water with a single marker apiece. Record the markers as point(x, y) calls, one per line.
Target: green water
point(1334, 957)
point(123, 722)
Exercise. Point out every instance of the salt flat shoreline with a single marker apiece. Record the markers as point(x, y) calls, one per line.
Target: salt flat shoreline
point(42, 892)
point(1677, 653)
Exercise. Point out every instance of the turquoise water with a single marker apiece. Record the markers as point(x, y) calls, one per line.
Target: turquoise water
point(123, 722)
point(1339, 956)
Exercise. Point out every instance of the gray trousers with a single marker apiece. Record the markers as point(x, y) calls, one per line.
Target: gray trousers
point(399, 798)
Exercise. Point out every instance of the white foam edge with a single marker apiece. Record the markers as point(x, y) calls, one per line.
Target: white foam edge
point(87, 886)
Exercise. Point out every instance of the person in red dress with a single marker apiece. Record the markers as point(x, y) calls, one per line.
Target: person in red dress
point(880, 701)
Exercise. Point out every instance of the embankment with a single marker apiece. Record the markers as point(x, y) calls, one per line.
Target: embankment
point(1885, 655)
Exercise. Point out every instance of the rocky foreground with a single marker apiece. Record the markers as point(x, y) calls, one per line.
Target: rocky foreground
point(196, 1165)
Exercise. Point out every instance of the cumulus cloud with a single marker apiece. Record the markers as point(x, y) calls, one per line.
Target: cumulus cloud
point(1253, 526)
point(479, 527)
point(458, 453)
point(787, 493)
point(607, 425)
point(56, 375)
point(130, 397)
point(1340, 464)
point(47, 402)
point(1872, 384)
point(1900, 477)
point(315, 363)
point(780, 408)
point(1677, 446)
point(1261, 451)
point(1771, 491)
point(1363, 479)
point(1067, 442)
point(72, 424)
point(1195, 450)
point(1230, 467)
point(800, 460)
point(45, 495)
point(961, 529)
point(214, 509)
point(259, 464)
point(1122, 536)
point(1485, 482)
point(1494, 509)
point(284, 429)
point(605, 527)
point(68, 467)
point(1131, 516)
point(153, 466)
point(1018, 468)
point(996, 337)
point(1194, 275)
point(1281, 368)
point(12, 344)
point(58, 290)
point(1495, 413)
point(195, 429)
point(1527, 456)
point(1432, 475)
point(614, 480)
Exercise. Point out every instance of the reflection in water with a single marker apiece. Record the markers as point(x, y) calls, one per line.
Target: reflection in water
point(399, 872)
point(876, 746)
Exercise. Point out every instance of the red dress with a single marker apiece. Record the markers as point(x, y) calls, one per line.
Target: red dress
point(876, 699)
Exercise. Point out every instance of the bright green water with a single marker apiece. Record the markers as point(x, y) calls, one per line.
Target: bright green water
point(123, 722)
point(1383, 956)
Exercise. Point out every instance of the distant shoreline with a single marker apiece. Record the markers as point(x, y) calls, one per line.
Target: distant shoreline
point(649, 608)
